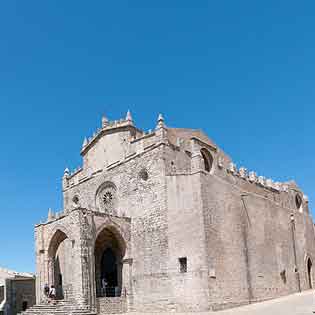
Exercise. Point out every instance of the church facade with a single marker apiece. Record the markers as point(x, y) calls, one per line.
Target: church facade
point(163, 221)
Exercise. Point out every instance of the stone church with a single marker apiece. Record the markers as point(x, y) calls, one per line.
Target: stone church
point(164, 221)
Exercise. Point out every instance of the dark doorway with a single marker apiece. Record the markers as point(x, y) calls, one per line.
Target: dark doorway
point(309, 273)
point(58, 280)
point(109, 272)
point(109, 252)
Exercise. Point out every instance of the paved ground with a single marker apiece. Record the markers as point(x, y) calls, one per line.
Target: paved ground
point(297, 304)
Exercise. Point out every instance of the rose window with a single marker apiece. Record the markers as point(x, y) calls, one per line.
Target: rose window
point(107, 199)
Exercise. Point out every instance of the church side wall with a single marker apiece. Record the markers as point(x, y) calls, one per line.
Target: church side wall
point(225, 229)
point(250, 243)
point(270, 247)
point(305, 247)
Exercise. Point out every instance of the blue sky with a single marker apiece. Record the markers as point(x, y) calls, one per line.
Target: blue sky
point(243, 71)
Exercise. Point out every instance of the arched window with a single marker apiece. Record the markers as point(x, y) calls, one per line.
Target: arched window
point(299, 203)
point(207, 160)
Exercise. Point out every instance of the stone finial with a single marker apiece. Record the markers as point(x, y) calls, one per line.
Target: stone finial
point(243, 172)
point(85, 142)
point(232, 168)
point(105, 121)
point(277, 186)
point(160, 121)
point(252, 177)
point(261, 180)
point(220, 162)
point(50, 215)
point(269, 183)
point(305, 198)
point(129, 117)
point(66, 172)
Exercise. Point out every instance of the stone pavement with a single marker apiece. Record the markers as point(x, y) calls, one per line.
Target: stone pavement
point(296, 304)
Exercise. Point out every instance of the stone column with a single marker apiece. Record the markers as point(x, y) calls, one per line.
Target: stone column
point(119, 275)
point(50, 271)
point(87, 298)
point(92, 280)
point(127, 282)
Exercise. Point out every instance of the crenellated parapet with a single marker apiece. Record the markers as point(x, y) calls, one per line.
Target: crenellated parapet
point(253, 178)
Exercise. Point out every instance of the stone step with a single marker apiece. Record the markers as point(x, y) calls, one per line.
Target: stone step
point(60, 308)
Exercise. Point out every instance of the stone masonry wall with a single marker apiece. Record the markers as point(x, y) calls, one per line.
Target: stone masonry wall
point(193, 239)
point(116, 305)
point(250, 241)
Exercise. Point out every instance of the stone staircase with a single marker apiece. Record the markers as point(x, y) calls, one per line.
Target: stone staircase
point(59, 308)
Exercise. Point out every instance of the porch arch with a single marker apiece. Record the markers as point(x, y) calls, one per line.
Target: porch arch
point(59, 267)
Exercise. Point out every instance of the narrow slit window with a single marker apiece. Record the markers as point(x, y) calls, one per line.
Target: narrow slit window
point(182, 264)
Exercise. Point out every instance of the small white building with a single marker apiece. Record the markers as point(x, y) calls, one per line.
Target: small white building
point(17, 291)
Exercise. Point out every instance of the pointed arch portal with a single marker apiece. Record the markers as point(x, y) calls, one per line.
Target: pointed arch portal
point(59, 268)
point(109, 252)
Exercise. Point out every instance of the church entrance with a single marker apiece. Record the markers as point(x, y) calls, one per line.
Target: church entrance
point(60, 267)
point(108, 264)
point(109, 272)
point(309, 273)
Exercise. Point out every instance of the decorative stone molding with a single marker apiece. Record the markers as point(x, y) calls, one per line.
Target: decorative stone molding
point(105, 121)
point(220, 162)
point(160, 122)
point(129, 117)
point(276, 186)
point(50, 215)
point(269, 183)
point(261, 180)
point(252, 177)
point(243, 172)
point(232, 168)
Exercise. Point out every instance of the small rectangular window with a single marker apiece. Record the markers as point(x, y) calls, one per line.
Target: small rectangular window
point(182, 264)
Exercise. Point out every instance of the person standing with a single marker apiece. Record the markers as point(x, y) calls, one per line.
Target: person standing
point(52, 293)
point(104, 285)
point(46, 289)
